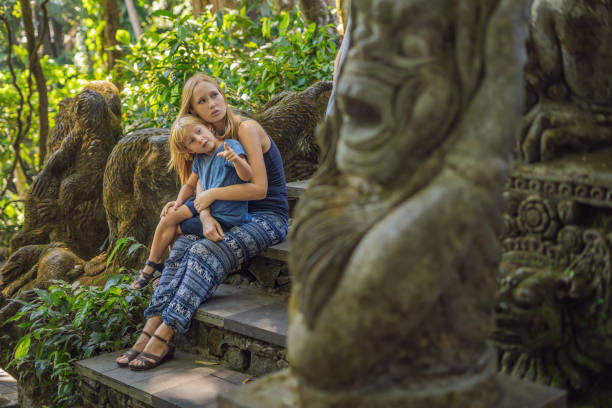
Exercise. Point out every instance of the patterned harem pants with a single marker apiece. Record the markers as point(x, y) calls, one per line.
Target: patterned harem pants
point(194, 269)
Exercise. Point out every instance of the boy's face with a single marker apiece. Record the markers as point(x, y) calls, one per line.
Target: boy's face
point(199, 139)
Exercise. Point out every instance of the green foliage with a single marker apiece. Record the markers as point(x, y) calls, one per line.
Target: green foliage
point(69, 322)
point(254, 59)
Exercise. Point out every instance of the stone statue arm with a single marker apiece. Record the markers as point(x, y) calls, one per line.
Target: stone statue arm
point(59, 161)
point(556, 124)
point(545, 42)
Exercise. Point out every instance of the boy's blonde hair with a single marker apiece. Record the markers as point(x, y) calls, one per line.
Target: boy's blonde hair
point(230, 129)
point(180, 159)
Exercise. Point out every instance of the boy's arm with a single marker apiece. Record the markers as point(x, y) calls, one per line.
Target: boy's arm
point(187, 190)
point(243, 168)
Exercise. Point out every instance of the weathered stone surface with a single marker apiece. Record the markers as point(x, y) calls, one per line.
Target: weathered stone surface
point(394, 276)
point(233, 350)
point(64, 206)
point(182, 382)
point(553, 307)
point(280, 391)
point(569, 91)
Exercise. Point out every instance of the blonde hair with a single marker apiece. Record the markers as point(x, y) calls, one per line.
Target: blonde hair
point(230, 129)
point(180, 159)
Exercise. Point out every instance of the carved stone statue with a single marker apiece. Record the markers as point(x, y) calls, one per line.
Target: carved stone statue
point(397, 232)
point(553, 308)
point(64, 216)
point(568, 79)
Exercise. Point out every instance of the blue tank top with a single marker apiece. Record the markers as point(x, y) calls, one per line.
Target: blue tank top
point(276, 198)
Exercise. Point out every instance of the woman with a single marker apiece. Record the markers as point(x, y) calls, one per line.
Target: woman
point(195, 269)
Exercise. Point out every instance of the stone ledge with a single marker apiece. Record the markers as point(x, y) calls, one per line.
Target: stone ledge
point(249, 312)
point(296, 188)
point(279, 390)
point(180, 382)
point(279, 252)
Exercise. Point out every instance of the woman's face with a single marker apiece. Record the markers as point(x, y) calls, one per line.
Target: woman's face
point(208, 103)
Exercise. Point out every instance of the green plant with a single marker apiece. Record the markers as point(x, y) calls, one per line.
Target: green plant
point(253, 59)
point(69, 322)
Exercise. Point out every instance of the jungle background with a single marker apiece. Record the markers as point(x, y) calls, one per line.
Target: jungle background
point(49, 50)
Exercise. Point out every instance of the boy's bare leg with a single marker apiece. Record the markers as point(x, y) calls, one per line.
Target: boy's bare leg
point(164, 235)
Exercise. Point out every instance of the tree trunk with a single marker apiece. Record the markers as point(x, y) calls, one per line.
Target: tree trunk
point(131, 9)
point(39, 76)
point(112, 14)
point(344, 9)
point(316, 11)
point(196, 7)
point(284, 5)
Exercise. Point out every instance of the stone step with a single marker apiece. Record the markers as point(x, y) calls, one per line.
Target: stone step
point(243, 327)
point(280, 390)
point(185, 381)
point(248, 312)
point(279, 252)
point(8, 390)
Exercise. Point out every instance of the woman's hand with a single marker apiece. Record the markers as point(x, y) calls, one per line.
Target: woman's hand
point(171, 206)
point(204, 199)
point(210, 227)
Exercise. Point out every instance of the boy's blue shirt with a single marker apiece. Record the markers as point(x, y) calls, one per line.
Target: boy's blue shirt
point(217, 172)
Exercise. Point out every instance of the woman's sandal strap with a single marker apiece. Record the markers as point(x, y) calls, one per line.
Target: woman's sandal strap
point(150, 357)
point(130, 354)
point(157, 266)
point(168, 342)
point(146, 333)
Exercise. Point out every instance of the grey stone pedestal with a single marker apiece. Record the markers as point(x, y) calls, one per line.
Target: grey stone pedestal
point(279, 390)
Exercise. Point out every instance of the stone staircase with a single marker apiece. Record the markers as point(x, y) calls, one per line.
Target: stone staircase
point(239, 334)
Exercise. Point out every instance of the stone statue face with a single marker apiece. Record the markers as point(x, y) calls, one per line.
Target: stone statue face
point(397, 90)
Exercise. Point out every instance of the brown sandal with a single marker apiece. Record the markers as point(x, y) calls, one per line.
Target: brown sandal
point(143, 279)
point(151, 361)
point(131, 353)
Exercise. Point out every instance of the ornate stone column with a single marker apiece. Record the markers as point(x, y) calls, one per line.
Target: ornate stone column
point(553, 311)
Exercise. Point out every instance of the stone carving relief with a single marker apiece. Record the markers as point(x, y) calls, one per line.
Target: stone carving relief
point(552, 310)
point(569, 90)
point(394, 279)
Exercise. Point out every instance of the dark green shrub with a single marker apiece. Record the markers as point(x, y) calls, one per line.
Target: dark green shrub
point(69, 322)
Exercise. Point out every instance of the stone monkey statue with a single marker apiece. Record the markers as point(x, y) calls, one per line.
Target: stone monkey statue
point(397, 232)
point(65, 221)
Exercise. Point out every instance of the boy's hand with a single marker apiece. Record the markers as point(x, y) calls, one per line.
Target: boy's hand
point(228, 153)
